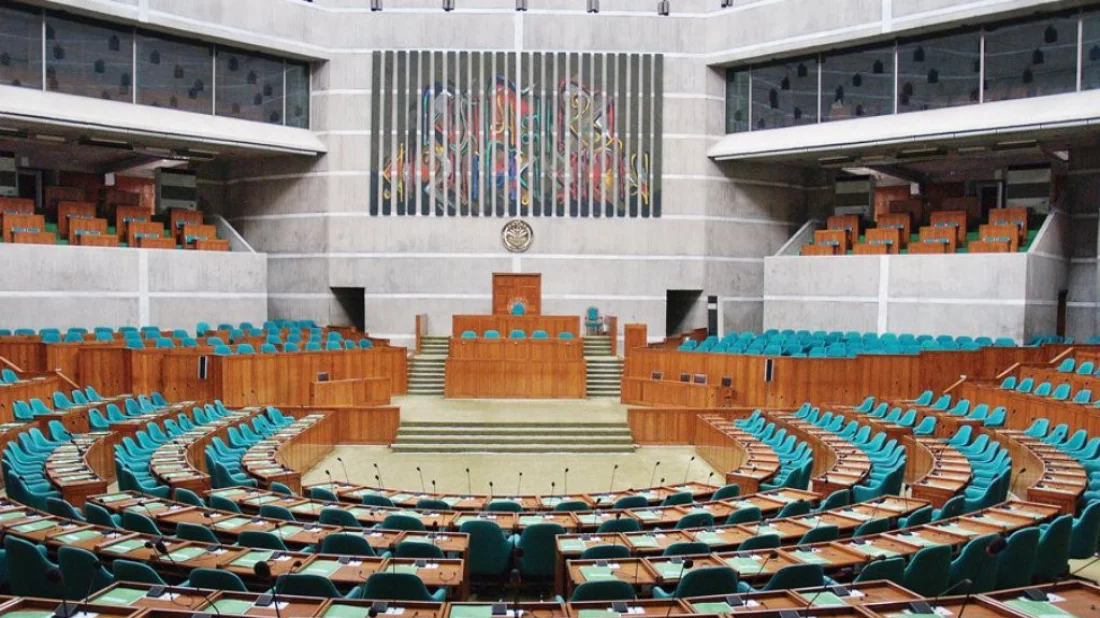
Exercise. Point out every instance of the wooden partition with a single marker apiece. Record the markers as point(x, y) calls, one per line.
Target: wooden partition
point(352, 391)
point(25, 390)
point(516, 368)
point(504, 324)
point(649, 426)
point(284, 379)
point(512, 288)
point(827, 380)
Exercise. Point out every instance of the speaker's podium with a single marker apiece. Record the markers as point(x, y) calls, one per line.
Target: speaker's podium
point(516, 352)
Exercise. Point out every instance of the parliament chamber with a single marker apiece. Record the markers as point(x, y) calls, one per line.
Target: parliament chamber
point(549, 308)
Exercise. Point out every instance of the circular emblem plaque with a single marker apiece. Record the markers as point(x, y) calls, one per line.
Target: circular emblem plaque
point(517, 236)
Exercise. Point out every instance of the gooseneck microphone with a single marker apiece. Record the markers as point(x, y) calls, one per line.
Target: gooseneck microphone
point(378, 474)
point(347, 479)
point(653, 474)
point(611, 485)
point(469, 484)
point(685, 565)
point(56, 577)
point(263, 570)
point(565, 486)
point(519, 483)
point(421, 475)
point(688, 470)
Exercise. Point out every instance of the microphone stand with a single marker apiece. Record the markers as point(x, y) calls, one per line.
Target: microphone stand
point(347, 479)
point(263, 570)
point(653, 474)
point(688, 471)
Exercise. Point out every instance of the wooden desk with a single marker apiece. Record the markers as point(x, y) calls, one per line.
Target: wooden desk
point(947, 236)
point(650, 392)
point(976, 607)
point(542, 609)
point(1016, 217)
point(1000, 235)
point(847, 223)
point(635, 607)
point(504, 324)
point(902, 222)
point(634, 571)
point(68, 212)
point(889, 238)
point(818, 250)
point(516, 368)
point(916, 248)
point(835, 238)
point(27, 607)
point(1076, 597)
point(137, 596)
point(869, 249)
point(863, 593)
point(951, 219)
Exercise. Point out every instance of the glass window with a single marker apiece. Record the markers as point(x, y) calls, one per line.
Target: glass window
point(1031, 59)
point(297, 95)
point(857, 83)
point(174, 74)
point(935, 73)
point(89, 60)
point(20, 48)
point(784, 95)
point(737, 101)
point(249, 86)
point(1090, 51)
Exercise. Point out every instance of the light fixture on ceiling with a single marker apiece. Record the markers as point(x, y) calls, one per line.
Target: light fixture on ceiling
point(56, 139)
point(12, 132)
point(103, 142)
point(190, 154)
point(835, 160)
point(964, 150)
point(662, 8)
point(1050, 35)
point(1016, 144)
point(915, 153)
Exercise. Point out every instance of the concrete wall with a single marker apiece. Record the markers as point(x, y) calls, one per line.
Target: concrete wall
point(996, 295)
point(58, 286)
point(1083, 204)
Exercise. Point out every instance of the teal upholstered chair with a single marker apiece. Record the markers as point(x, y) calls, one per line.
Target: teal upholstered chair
point(490, 553)
point(400, 587)
point(703, 581)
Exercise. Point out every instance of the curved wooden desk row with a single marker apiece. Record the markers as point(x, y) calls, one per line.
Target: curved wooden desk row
point(759, 565)
point(745, 458)
point(879, 599)
point(182, 462)
point(27, 388)
point(1048, 372)
point(1023, 408)
point(948, 474)
point(838, 464)
point(1045, 473)
point(86, 466)
point(250, 500)
point(109, 544)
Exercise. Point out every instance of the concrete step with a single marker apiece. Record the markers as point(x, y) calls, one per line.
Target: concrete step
point(511, 448)
point(510, 441)
point(420, 433)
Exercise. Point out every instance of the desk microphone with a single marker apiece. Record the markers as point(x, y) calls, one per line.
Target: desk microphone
point(565, 480)
point(263, 570)
point(433, 487)
point(709, 477)
point(611, 485)
point(421, 475)
point(688, 470)
point(490, 490)
point(685, 565)
point(553, 486)
point(653, 475)
point(378, 474)
point(928, 607)
point(206, 603)
point(159, 547)
point(347, 478)
point(331, 485)
point(519, 483)
point(55, 576)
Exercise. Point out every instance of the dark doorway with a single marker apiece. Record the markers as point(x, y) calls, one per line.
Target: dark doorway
point(684, 310)
point(353, 306)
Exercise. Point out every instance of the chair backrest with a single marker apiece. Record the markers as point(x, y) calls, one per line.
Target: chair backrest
point(539, 549)
point(305, 584)
point(490, 553)
point(1016, 563)
point(195, 532)
point(216, 579)
point(396, 587)
point(398, 521)
point(706, 581)
point(892, 570)
point(605, 552)
point(136, 572)
point(797, 576)
point(613, 590)
point(1052, 555)
point(686, 548)
point(261, 540)
point(928, 571)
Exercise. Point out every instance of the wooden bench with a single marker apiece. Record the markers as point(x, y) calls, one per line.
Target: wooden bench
point(79, 228)
point(214, 244)
point(149, 242)
point(123, 216)
point(191, 233)
point(97, 240)
point(179, 217)
point(818, 250)
point(16, 206)
point(943, 235)
point(836, 238)
point(138, 230)
point(848, 223)
point(869, 249)
point(901, 221)
point(34, 238)
point(888, 238)
point(955, 219)
point(67, 211)
point(1006, 235)
point(927, 247)
point(1010, 216)
point(11, 223)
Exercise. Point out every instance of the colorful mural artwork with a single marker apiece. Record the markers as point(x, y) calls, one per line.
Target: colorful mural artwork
point(506, 134)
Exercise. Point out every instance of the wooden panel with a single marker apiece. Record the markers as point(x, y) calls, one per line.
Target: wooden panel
point(818, 250)
point(519, 379)
point(34, 238)
point(952, 219)
point(28, 352)
point(374, 425)
point(888, 237)
point(68, 211)
point(512, 288)
point(25, 390)
point(912, 207)
point(866, 249)
point(900, 221)
point(672, 425)
point(353, 392)
point(940, 236)
point(1000, 234)
point(927, 247)
point(123, 216)
point(12, 222)
point(848, 223)
point(137, 230)
point(1016, 217)
point(17, 205)
point(672, 392)
point(634, 336)
point(504, 324)
point(210, 244)
point(836, 238)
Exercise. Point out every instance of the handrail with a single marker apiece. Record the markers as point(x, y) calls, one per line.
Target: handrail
point(958, 382)
point(1004, 374)
point(66, 378)
point(1062, 355)
point(16, 368)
